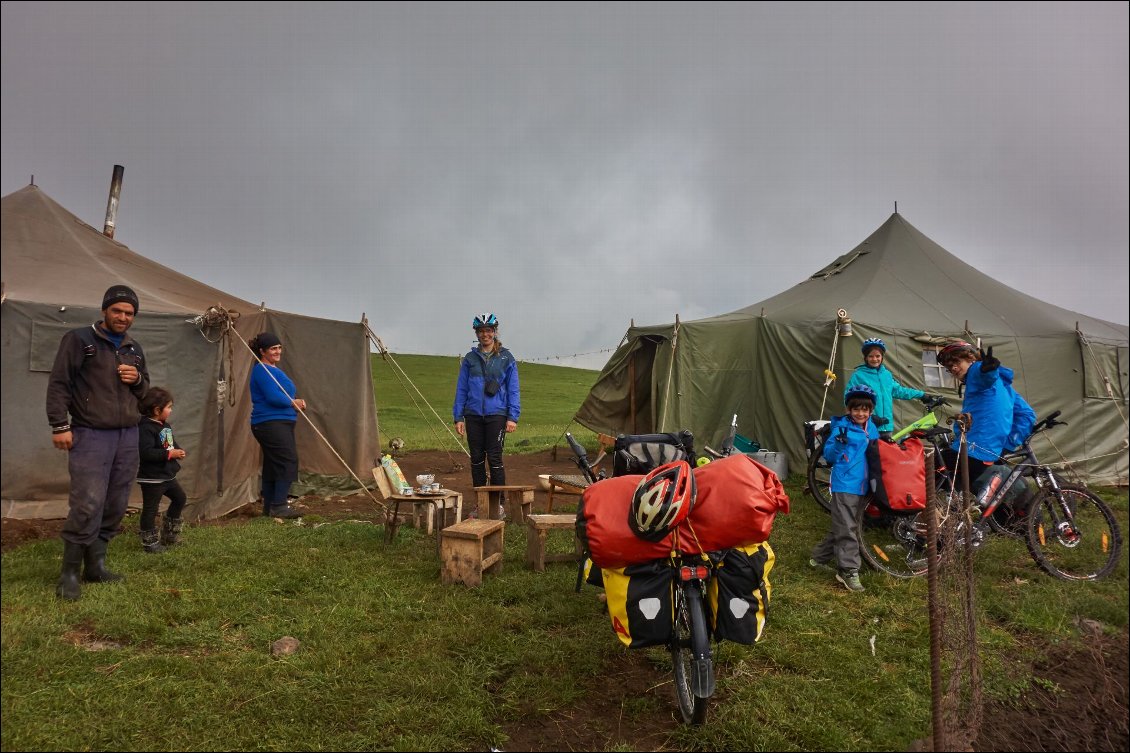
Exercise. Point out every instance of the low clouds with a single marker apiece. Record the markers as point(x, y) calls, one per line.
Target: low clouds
point(573, 167)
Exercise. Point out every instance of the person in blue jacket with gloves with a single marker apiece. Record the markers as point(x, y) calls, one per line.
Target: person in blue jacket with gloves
point(874, 373)
point(1002, 419)
point(846, 451)
point(487, 401)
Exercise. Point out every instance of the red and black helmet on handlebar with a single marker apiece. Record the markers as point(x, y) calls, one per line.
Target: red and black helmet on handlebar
point(662, 500)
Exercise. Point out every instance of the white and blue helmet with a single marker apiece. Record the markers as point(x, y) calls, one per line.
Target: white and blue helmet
point(484, 320)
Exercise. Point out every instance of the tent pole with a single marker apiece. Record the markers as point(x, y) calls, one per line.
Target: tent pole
point(632, 394)
point(670, 369)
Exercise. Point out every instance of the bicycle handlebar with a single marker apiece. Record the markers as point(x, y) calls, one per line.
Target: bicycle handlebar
point(937, 402)
point(1047, 423)
point(578, 450)
point(582, 458)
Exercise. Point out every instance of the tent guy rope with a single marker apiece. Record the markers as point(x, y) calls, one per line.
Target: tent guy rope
point(403, 378)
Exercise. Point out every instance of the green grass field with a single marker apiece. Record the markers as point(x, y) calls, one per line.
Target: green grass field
point(185, 661)
point(550, 397)
point(178, 656)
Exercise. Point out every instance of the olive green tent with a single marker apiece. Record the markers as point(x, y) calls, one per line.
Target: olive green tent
point(55, 270)
point(766, 362)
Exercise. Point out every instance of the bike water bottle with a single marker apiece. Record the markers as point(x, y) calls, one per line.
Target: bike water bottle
point(994, 483)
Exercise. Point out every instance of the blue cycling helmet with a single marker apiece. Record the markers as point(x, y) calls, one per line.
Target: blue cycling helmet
point(873, 342)
point(859, 392)
point(484, 320)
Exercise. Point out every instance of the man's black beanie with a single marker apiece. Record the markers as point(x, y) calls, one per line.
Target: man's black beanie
point(119, 294)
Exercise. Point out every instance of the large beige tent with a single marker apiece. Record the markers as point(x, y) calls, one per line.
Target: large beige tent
point(55, 270)
point(766, 361)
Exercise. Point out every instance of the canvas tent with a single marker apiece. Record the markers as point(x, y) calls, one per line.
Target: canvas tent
point(55, 270)
point(766, 361)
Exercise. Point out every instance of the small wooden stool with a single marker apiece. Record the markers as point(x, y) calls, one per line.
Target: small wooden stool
point(470, 549)
point(489, 499)
point(540, 525)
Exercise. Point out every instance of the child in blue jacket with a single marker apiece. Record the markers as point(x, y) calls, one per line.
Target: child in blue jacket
point(875, 374)
point(846, 451)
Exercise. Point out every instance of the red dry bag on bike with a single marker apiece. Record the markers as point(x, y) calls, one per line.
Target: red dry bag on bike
point(897, 474)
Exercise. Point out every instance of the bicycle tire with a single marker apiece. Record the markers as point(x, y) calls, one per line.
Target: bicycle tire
point(1086, 548)
point(1009, 522)
point(690, 636)
point(820, 474)
point(892, 544)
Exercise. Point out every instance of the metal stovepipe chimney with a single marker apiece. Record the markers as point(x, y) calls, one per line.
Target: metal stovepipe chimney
point(112, 204)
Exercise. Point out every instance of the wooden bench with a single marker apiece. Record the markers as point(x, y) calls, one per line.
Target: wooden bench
point(539, 526)
point(469, 549)
point(520, 497)
point(573, 486)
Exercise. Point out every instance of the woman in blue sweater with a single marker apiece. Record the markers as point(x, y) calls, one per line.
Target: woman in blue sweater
point(487, 401)
point(274, 411)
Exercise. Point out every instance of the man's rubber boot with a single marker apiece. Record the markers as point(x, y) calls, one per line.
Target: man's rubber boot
point(95, 559)
point(151, 541)
point(69, 588)
point(170, 530)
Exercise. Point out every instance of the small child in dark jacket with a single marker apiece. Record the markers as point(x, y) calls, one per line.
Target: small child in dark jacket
point(846, 450)
point(157, 474)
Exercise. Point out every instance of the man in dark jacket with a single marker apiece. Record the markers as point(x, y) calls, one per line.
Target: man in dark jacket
point(92, 406)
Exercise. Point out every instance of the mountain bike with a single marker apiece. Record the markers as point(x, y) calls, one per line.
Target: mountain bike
point(1070, 533)
point(820, 473)
point(689, 643)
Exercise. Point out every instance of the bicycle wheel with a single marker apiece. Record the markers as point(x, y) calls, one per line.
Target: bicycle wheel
point(892, 544)
point(820, 474)
point(690, 656)
point(1006, 520)
point(1073, 535)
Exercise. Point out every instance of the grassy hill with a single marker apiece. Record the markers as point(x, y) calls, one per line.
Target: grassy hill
point(550, 397)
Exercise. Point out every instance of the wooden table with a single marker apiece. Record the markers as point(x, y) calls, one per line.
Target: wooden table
point(568, 485)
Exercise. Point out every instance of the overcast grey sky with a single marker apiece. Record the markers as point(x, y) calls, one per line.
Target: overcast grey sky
point(571, 167)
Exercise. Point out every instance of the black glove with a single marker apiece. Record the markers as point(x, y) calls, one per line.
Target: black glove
point(880, 421)
point(988, 363)
point(929, 397)
point(842, 436)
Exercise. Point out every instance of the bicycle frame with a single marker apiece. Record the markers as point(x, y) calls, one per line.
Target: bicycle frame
point(1070, 533)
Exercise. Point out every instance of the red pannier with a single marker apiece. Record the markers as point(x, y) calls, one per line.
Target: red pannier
point(898, 474)
point(602, 525)
point(736, 503)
